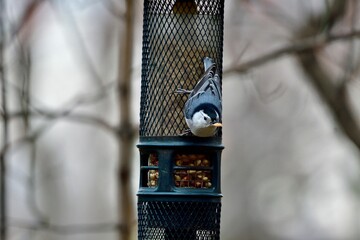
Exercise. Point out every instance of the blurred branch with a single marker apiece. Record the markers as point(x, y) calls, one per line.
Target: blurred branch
point(79, 44)
point(334, 94)
point(305, 45)
point(349, 68)
point(5, 124)
point(24, 68)
point(67, 229)
point(66, 112)
point(32, 187)
point(76, 117)
point(29, 12)
point(68, 115)
point(79, 100)
point(126, 139)
point(113, 9)
point(125, 132)
point(314, 35)
point(52, 115)
point(24, 139)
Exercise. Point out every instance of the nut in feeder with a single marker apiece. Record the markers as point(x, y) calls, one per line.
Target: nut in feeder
point(179, 195)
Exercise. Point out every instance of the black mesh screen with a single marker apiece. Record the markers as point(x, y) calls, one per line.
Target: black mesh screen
point(176, 36)
point(160, 220)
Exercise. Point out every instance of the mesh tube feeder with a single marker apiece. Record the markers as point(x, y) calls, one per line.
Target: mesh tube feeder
point(179, 195)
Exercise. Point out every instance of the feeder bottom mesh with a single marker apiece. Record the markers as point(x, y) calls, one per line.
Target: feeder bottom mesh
point(160, 220)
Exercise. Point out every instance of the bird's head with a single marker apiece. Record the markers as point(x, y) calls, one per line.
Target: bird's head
point(206, 118)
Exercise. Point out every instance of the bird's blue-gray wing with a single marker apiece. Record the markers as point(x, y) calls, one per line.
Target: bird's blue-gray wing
point(207, 92)
point(209, 96)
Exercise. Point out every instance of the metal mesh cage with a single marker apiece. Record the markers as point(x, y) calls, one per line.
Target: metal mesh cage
point(160, 220)
point(177, 34)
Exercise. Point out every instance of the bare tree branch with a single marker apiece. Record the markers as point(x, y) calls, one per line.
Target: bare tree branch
point(5, 132)
point(315, 35)
point(126, 140)
point(125, 132)
point(24, 68)
point(334, 95)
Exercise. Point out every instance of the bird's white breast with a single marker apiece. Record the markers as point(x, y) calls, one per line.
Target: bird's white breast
point(201, 131)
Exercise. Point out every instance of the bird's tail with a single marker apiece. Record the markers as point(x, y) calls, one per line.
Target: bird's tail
point(208, 62)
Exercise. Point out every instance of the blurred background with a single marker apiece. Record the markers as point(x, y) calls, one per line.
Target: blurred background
point(70, 93)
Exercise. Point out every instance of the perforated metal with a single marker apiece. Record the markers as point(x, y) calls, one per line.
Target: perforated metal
point(176, 36)
point(164, 220)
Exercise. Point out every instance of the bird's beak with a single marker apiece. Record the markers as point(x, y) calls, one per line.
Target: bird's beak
point(217, 125)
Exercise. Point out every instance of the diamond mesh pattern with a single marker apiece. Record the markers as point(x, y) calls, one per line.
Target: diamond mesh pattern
point(179, 220)
point(176, 36)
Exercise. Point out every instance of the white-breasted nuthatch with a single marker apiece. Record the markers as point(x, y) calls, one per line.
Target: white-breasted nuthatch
point(203, 108)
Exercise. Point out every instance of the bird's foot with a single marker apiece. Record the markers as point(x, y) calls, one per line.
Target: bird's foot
point(187, 132)
point(183, 91)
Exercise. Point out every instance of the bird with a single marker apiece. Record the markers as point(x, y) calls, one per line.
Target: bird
point(203, 108)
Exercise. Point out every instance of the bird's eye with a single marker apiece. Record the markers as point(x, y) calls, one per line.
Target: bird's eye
point(205, 118)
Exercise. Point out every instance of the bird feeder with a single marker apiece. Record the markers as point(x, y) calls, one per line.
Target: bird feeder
point(179, 195)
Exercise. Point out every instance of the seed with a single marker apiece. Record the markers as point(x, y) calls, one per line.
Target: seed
point(186, 161)
point(152, 183)
point(198, 162)
point(192, 157)
point(208, 184)
point(206, 163)
point(152, 176)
